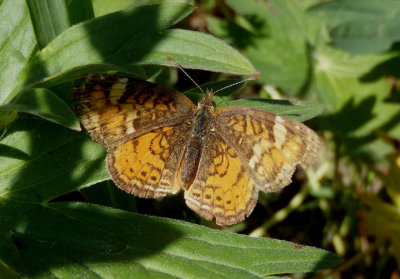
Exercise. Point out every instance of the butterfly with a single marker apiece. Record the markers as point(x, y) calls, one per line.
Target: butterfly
point(159, 142)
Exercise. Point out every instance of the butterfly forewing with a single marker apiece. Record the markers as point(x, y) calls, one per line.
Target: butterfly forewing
point(115, 109)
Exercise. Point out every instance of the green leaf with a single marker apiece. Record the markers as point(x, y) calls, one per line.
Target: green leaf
point(17, 43)
point(49, 19)
point(79, 10)
point(119, 40)
point(274, 38)
point(349, 97)
point(44, 103)
point(367, 36)
point(295, 110)
point(108, 194)
point(103, 7)
point(361, 26)
point(41, 161)
point(193, 50)
point(338, 12)
point(99, 40)
point(80, 239)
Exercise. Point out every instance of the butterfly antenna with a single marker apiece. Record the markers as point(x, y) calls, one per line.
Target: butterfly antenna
point(179, 66)
point(236, 83)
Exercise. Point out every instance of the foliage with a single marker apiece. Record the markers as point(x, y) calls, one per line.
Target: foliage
point(342, 53)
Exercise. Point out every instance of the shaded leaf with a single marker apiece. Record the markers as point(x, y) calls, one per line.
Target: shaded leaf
point(99, 40)
point(275, 39)
point(49, 19)
point(337, 12)
point(44, 103)
point(87, 240)
point(117, 41)
point(367, 36)
point(295, 110)
point(103, 7)
point(362, 26)
point(348, 97)
point(51, 161)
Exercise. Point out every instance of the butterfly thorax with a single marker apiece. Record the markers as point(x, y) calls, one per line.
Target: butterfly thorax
point(193, 149)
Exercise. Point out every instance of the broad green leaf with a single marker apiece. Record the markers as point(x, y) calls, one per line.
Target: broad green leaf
point(193, 50)
point(367, 36)
point(338, 12)
point(349, 97)
point(94, 41)
point(44, 103)
point(295, 110)
point(131, 37)
point(41, 161)
point(17, 43)
point(337, 76)
point(361, 26)
point(78, 239)
point(347, 65)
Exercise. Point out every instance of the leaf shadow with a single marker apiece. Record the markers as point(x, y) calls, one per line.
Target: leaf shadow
point(12, 152)
point(243, 38)
point(350, 117)
point(389, 68)
point(345, 124)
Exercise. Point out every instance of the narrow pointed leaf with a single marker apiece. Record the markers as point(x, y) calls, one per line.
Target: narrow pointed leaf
point(49, 19)
point(17, 43)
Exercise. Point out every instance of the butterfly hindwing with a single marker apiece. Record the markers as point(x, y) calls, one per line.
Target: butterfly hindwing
point(270, 146)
